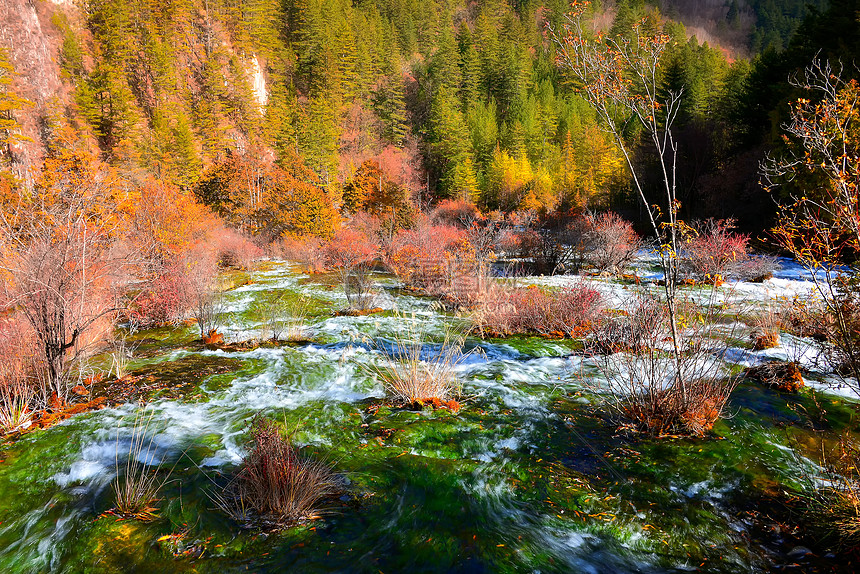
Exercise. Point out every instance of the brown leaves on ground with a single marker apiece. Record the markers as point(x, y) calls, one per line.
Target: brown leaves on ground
point(435, 402)
point(59, 412)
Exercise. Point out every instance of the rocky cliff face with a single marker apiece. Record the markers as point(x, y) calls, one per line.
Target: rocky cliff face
point(152, 90)
point(32, 42)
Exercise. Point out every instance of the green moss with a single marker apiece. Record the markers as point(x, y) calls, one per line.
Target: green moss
point(529, 475)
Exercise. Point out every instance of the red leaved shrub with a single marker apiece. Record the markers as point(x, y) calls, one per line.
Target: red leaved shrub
point(564, 313)
point(349, 248)
point(715, 252)
point(611, 243)
point(305, 250)
point(351, 254)
point(187, 286)
point(234, 249)
point(455, 212)
point(162, 300)
point(429, 257)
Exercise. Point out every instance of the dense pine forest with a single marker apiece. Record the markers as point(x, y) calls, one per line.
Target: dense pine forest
point(447, 99)
point(429, 285)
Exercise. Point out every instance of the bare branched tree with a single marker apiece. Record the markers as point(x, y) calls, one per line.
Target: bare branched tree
point(621, 78)
point(820, 225)
point(351, 254)
point(201, 291)
point(62, 269)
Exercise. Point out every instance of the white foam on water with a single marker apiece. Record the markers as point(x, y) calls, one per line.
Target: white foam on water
point(847, 388)
point(502, 378)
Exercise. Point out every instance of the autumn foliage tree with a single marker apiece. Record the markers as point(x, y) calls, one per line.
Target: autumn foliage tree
point(819, 224)
point(371, 190)
point(61, 267)
point(621, 77)
point(10, 102)
point(268, 200)
point(166, 221)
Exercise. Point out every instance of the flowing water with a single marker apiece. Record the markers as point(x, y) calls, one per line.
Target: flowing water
point(527, 477)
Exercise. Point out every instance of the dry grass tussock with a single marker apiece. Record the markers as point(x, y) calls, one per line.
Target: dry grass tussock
point(416, 370)
point(21, 376)
point(140, 478)
point(276, 485)
point(766, 325)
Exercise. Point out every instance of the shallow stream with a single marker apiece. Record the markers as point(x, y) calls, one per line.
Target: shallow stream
point(528, 477)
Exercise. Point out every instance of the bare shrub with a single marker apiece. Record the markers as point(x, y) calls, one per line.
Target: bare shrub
point(556, 244)
point(568, 243)
point(285, 317)
point(830, 326)
point(567, 312)
point(629, 330)
point(640, 380)
point(612, 244)
point(275, 482)
point(756, 268)
point(201, 291)
point(62, 271)
point(351, 254)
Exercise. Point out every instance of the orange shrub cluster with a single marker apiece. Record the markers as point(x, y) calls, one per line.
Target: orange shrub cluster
point(437, 259)
point(269, 200)
point(566, 313)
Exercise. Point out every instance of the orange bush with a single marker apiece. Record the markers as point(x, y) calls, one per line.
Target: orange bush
point(565, 313)
point(269, 200)
point(166, 222)
point(433, 258)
